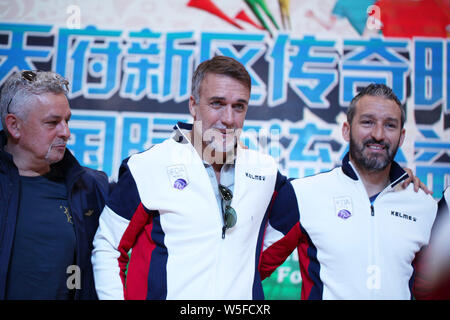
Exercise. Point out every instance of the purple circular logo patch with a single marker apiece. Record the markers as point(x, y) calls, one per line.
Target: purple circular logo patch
point(180, 184)
point(344, 214)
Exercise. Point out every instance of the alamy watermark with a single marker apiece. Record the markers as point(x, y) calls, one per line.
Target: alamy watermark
point(374, 18)
point(73, 21)
point(74, 279)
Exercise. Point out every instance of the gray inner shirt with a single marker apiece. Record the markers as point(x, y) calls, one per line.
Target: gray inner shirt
point(226, 179)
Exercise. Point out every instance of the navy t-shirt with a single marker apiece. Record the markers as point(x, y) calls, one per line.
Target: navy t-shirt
point(44, 241)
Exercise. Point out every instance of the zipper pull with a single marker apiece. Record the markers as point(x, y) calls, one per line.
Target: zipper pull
point(223, 232)
point(372, 211)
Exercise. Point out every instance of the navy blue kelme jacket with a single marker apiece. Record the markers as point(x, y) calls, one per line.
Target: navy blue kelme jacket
point(86, 190)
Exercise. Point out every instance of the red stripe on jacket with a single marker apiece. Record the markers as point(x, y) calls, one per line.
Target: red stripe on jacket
point(136, 275)
point(278, 252)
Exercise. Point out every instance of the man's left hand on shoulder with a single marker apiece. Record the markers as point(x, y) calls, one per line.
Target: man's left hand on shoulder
point(417, 183)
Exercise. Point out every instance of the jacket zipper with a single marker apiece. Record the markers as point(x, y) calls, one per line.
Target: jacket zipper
point(374, 248)
point(372, 263)
point(70, 186)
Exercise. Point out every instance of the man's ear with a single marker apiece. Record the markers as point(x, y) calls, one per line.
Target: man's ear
point(13, 125)
point(192, 104)
point(402, 137)
point(346, 131)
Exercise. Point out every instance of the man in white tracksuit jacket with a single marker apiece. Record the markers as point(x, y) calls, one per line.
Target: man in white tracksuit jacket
point(194, 208)
point(358, 232)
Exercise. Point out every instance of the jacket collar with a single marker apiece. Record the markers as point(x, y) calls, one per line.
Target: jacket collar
point(396, 174)
point(5, 157)
point(179, 136)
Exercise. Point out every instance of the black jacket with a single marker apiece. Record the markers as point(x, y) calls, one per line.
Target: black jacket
point(87, 190)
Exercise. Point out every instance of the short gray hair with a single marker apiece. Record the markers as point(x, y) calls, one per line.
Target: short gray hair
point(222, 65)
point(375, 90)
point(20, 86)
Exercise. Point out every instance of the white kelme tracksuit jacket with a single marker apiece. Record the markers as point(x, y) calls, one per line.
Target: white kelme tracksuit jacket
point(348, 247)
point(165, 210)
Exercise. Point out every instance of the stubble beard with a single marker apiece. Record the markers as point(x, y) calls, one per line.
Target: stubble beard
point(373, 162)
point(55, 155)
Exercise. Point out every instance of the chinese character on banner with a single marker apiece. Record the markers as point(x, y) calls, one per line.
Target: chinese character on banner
point(158, 66)
point(90, 59)
point(141, 66)
point(428, 73)
point(313, 71)
point(375, 60)
point(93, 139)
point(18, 54)
point(253, 47)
